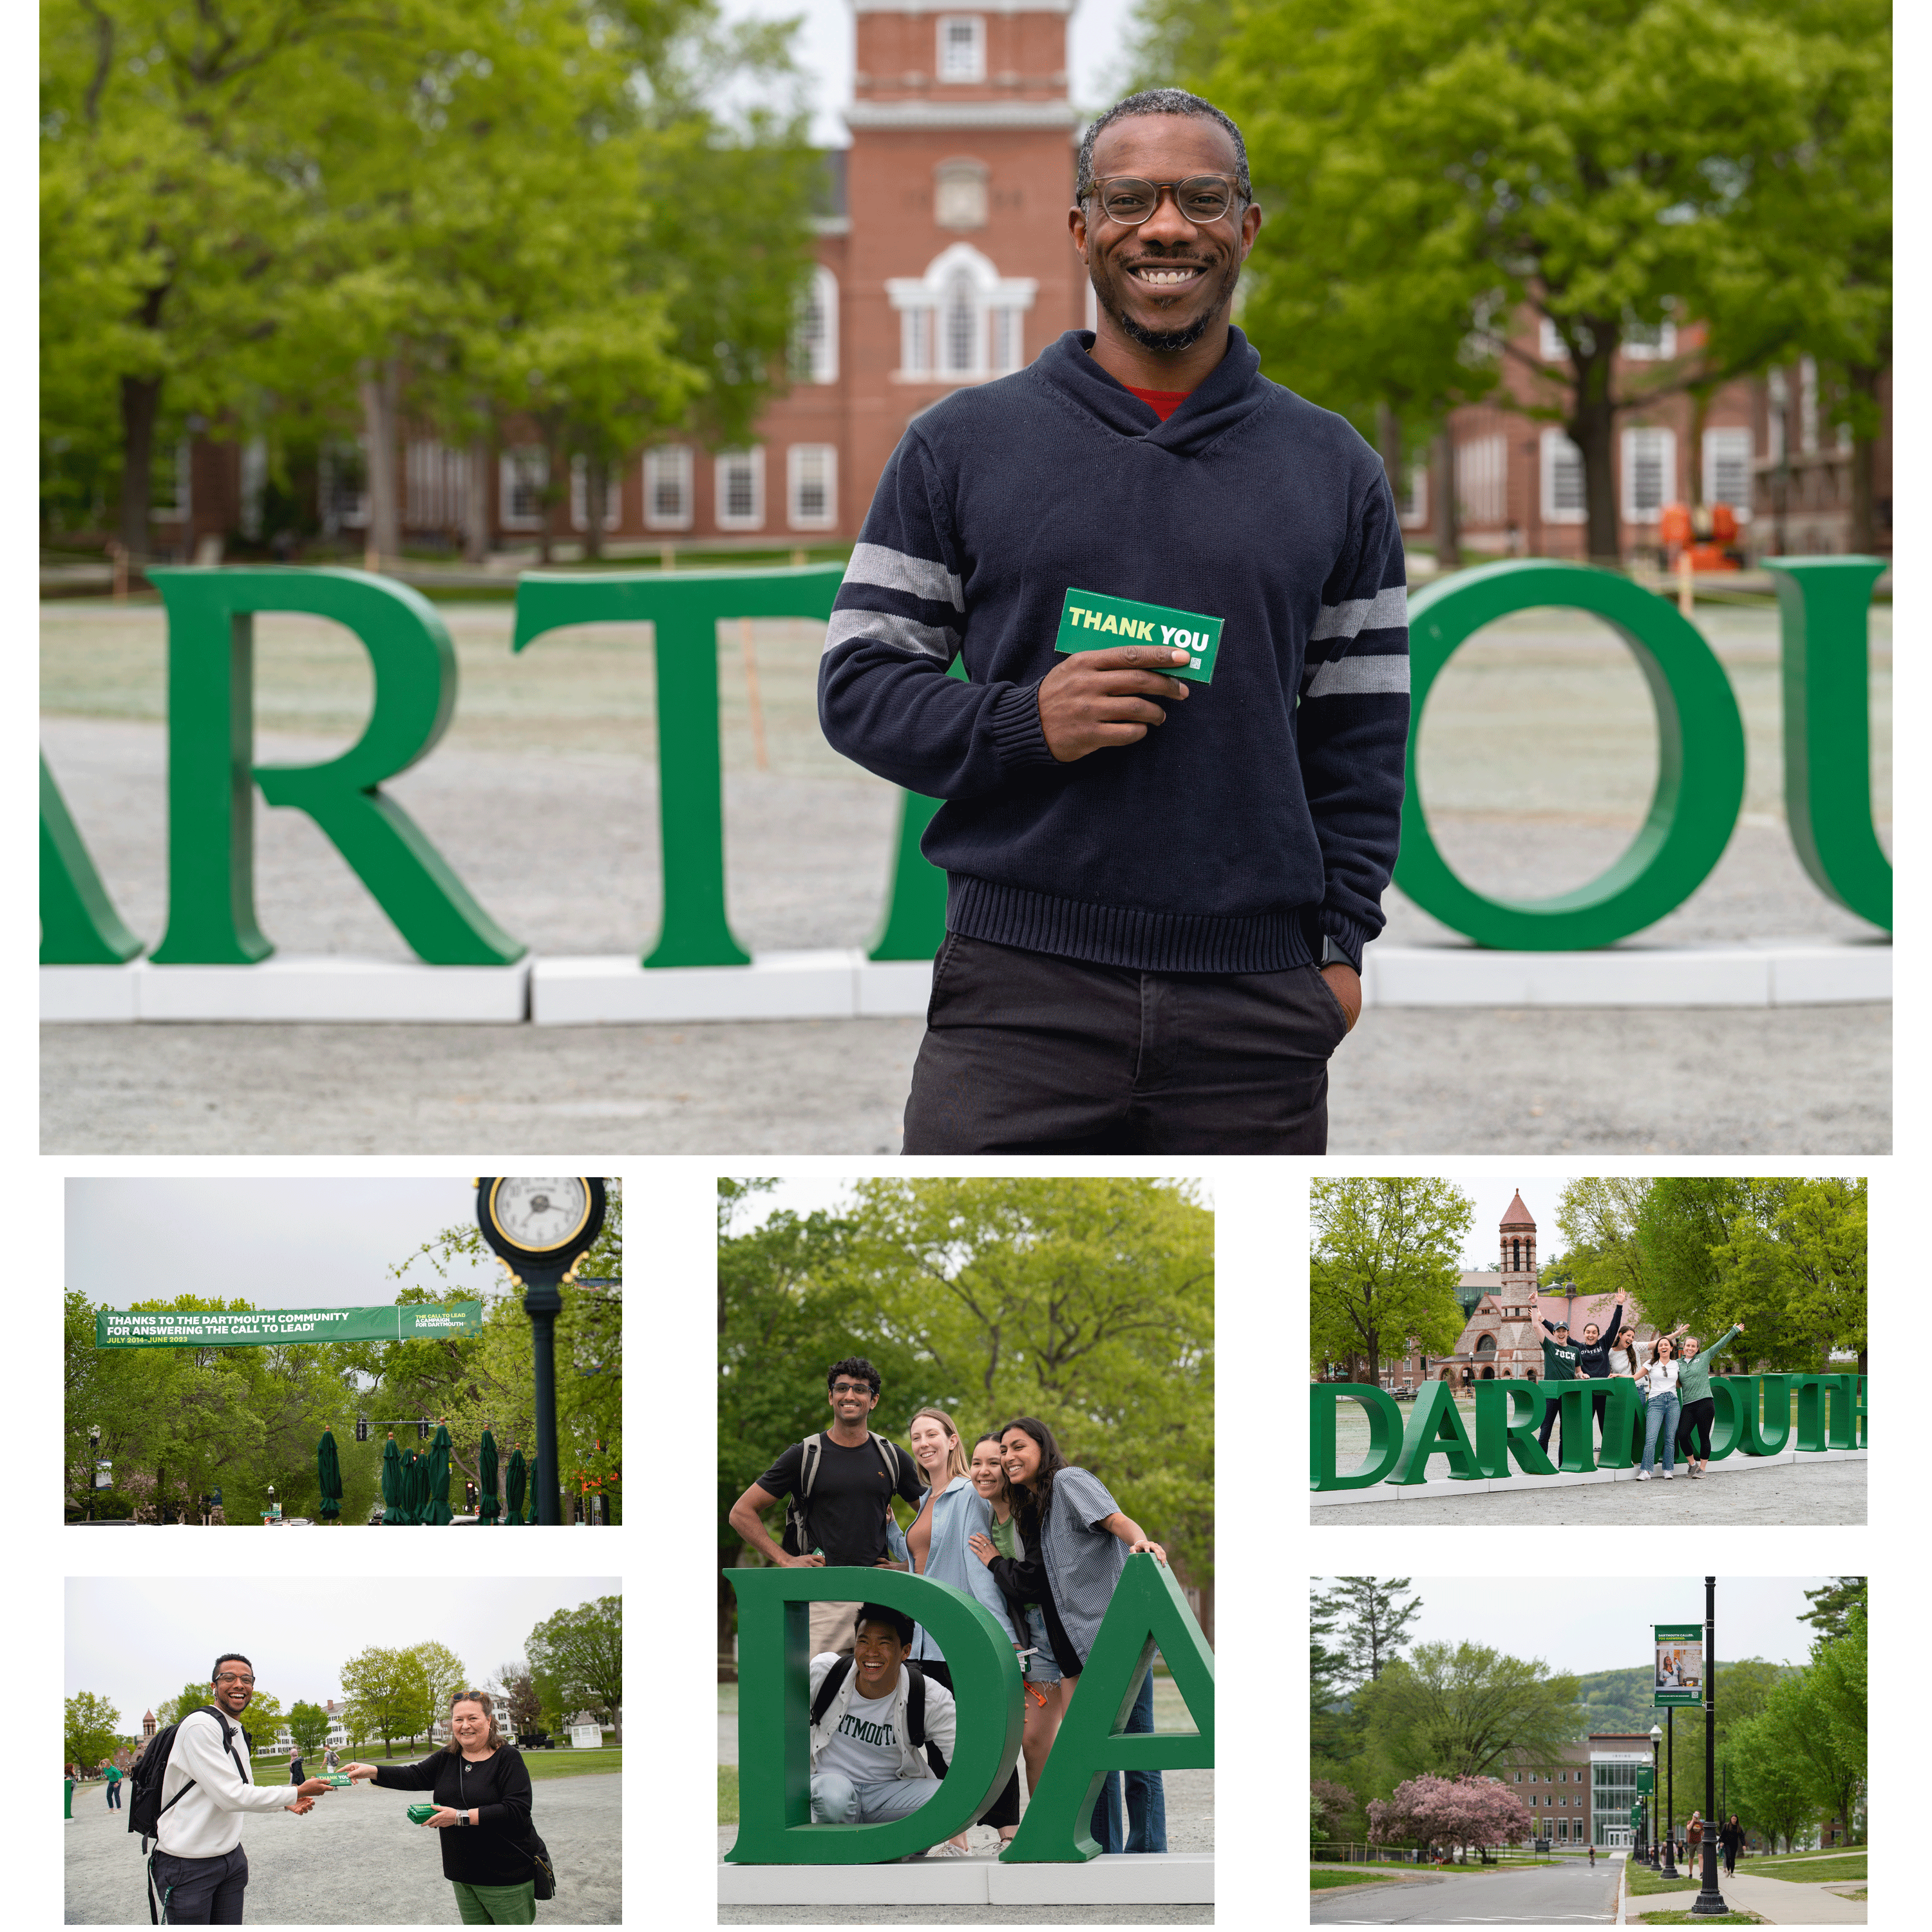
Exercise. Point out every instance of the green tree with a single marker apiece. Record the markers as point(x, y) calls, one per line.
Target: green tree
point(1833, 1606)
point(1373, 1620)
point(1441, 168)
point(1838, 1689)
point(1089, 1303)
point(517, 1690)
point(443, 1674)
point(308, 1727)
point(387, 1693)
point(1771, 1783)
point(1598, 1216)
point(1458, 1710)
point(1383, 1264)
point(580, 1653)
point(92, 1731)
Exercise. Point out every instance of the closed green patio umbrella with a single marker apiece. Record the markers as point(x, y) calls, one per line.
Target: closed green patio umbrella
point(489, 1508)
point(392, 1483)
point(329, 1476)
point(513, 1487)
point(415, 1491)
point(435, 1502)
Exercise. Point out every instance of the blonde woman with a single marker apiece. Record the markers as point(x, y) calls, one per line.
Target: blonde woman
point(951, 1513)
point(1659, 1382)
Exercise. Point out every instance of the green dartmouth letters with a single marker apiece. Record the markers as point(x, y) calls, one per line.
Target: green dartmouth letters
point(211, 772)
point(1753, 1417)
point(1148, 1611)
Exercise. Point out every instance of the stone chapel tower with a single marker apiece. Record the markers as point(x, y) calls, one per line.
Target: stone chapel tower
point(1519, 1254)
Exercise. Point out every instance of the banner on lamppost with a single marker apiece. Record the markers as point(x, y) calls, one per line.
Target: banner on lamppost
point(262, 1328)
point(1680, 1664)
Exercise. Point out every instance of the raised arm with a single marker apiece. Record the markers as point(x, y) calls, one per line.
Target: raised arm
point(1137, 1540)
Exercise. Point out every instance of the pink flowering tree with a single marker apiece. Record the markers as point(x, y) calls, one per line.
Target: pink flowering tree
point(1431, 1811)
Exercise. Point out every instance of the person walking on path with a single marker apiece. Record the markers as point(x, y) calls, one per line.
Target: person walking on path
point(481, 1789)
point(1559, 1365)
point(1010, 1550)
point(1100, 991)
point(1693, 1392)
point(842, 1482)
point(111, 1772)
point(1085, 1540)
point(1730, 1837)
point(954, 1511)
point(199, 1868)
point(1659, 1384)
point(295, 1766)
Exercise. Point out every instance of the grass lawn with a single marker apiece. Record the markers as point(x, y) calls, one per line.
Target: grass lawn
point(1327, 1881)
point(563, 1763)
point(1643, 1881)
point(1684, 1918)
point(728, 1794)
point(1811, 1871)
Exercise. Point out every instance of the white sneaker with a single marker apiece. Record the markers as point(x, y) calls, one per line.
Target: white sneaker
point(949, 1850)
point(1668, 1473)
point(1643, 1475)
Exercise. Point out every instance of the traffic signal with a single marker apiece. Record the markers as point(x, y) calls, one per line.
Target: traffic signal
point(362, 1428)
point(422, 1430)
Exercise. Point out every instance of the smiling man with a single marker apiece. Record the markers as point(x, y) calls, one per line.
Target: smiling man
point(866, 1765)
point(198, 1871)
point(1158, 885)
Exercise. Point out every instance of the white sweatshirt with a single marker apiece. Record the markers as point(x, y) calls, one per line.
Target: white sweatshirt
point(208, 1822)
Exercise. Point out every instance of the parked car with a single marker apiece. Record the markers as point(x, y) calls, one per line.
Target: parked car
point(535, 1740)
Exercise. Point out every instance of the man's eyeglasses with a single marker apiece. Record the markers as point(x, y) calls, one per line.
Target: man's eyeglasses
point(230, 1677)
point(851, 1388)
point(1201, 198)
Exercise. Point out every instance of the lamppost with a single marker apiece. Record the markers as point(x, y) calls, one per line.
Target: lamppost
point(1670, 1793)
point(1710, 1901)
point(93, 1466)
point(540, 1230)
point(1656, 1739)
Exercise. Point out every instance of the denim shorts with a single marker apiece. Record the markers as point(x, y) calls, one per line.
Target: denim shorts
point(1041, 1667)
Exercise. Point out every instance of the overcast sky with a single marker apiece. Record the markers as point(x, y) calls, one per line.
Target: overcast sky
point(1492, 1198)
point(277, 1243)
point(137, 1640)
point(1096, 42)
point(1585, 1624)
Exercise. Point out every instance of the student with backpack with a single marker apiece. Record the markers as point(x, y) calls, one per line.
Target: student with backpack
point(841, 1482)
point(192, 1785)
point(882, 1732)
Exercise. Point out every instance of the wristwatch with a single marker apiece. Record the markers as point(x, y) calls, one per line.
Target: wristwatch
point(1332, 954)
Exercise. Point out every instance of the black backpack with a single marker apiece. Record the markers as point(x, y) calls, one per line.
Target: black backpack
point(145, 1806)
point(915, 1707)
point(797, 1541)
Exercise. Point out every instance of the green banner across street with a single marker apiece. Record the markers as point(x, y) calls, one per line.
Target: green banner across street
point(220, 1328)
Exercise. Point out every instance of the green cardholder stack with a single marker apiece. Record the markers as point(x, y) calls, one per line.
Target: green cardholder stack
point(338, 1779)
point(1090, 622)
point(421, 1814)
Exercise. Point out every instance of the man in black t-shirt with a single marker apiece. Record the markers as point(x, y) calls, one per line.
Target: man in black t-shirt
point(844, 1481)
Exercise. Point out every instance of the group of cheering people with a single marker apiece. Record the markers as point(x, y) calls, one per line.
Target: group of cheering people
point(1674, 1383)
point(1039, 1543)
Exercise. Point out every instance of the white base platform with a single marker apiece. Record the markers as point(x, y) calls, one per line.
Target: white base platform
point(1115, 1878)
point(289, 988)
point(1438, 1487)
point(1765, 973)
point(844, 984)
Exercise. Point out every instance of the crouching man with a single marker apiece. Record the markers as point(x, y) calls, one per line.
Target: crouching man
point(882, 1732)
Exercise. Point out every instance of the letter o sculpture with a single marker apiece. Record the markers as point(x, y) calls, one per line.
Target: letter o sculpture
point(1699, 794)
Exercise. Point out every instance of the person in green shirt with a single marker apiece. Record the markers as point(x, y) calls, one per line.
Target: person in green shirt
point(111, 1772)
point(1694, 1390)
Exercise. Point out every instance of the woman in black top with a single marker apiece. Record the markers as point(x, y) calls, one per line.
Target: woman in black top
point(482, 1792)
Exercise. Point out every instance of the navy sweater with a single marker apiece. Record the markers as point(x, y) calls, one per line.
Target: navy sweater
point(1265, 812)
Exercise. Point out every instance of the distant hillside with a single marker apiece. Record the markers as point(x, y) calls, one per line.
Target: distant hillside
point(1619, 1700)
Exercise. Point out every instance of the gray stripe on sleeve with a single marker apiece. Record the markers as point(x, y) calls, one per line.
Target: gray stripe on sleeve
point(1387, 610)
point(901, 633)
point(894, 570)
point(1360, 677)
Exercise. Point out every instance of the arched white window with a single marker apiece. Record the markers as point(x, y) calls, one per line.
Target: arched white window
point(815, 337)
point(961, 321)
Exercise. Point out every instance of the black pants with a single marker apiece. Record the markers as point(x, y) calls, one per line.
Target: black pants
point(201, 1891)
point(1005, 1809)
point(1550, 1417)
point(1026, 1053)
point(1696, 1415)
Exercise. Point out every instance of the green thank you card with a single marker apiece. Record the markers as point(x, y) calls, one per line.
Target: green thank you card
point(1091, 623)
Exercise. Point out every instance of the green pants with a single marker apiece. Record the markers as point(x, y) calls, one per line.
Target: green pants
point(496, 1904)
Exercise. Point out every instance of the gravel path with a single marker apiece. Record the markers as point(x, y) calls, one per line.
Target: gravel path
point(356, 1860)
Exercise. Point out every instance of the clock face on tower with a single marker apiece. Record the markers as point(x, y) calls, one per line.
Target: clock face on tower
point(540, 1216)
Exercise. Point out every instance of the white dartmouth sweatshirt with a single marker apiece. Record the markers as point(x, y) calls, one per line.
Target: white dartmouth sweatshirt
point(208, 1822)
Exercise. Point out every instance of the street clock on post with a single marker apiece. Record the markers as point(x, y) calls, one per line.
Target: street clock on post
point(540, 1230)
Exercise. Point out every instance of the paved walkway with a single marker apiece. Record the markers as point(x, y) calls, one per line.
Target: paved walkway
point(356, 1860)
point(1824, 1494)
point(1782, 1901)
